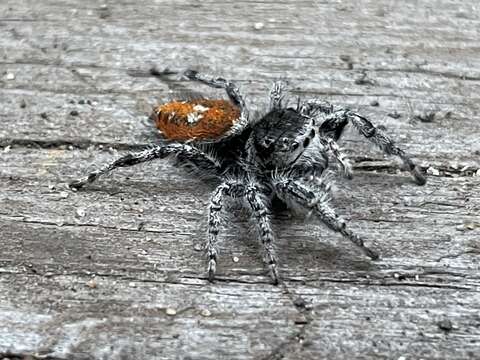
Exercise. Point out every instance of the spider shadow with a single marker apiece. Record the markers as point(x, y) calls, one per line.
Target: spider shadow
point(300, 246)
point(297, 243)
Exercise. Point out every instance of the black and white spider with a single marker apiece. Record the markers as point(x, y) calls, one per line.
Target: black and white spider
point(282, 154)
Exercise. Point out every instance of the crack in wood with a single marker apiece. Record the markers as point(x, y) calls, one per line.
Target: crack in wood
point(295, 342)
point(457, 255)
point(70, 145)
point(360, 162)
point(23, 219)
point(174, 277)
point(419, 70)
point(28, 356)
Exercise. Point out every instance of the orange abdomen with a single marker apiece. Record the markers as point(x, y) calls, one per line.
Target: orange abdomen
point(200, 119)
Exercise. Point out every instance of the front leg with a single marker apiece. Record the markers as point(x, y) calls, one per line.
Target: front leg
point(251, 193)
point(384, 142)
point(332, 146)
point(333, 120)
point(184, 153)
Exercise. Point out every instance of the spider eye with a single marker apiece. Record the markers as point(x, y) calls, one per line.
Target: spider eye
point(286, 144)
point(267, 142)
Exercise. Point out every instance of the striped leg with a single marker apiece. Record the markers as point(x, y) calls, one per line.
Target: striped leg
point(291, 191)
point(220, 83)
point(339, 155)
point(251, 193)
point(335, 119)
point(185, 153)
point(384, 142)
point(277, 95)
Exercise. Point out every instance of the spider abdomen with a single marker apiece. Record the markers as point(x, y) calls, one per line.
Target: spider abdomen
point(201, 119)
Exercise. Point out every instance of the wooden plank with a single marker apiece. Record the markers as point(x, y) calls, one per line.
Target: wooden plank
point(116, 270)
point(406, 74)
point(119, 243)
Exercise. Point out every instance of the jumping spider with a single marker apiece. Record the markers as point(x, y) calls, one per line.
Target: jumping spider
point(282, 155)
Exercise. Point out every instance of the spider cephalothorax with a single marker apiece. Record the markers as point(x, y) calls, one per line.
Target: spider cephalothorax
point(283, 154)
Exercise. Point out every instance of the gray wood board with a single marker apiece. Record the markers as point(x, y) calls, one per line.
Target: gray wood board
point(116, 270)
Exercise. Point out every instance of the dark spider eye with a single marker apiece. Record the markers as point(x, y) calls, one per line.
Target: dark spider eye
point(267, 142)
point(306, 142)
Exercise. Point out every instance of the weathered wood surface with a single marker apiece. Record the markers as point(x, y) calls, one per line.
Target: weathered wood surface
point(91, 274)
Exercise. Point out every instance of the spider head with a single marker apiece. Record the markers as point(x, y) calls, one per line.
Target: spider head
point(278, 138)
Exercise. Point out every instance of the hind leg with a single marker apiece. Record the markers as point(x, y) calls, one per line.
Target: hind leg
point(220, 83)
point(276, 95)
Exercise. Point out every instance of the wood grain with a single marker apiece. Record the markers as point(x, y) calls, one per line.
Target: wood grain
point(115, 271)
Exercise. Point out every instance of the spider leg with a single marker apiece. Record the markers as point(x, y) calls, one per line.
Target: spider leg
point(336, 120)
point(292, 191)
point(251, 193)
point(220, 83)
point(313, 107)
point(384, 142)
point(182, 151)
point(276, 95)
point(339, 155)
point(333, 127)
